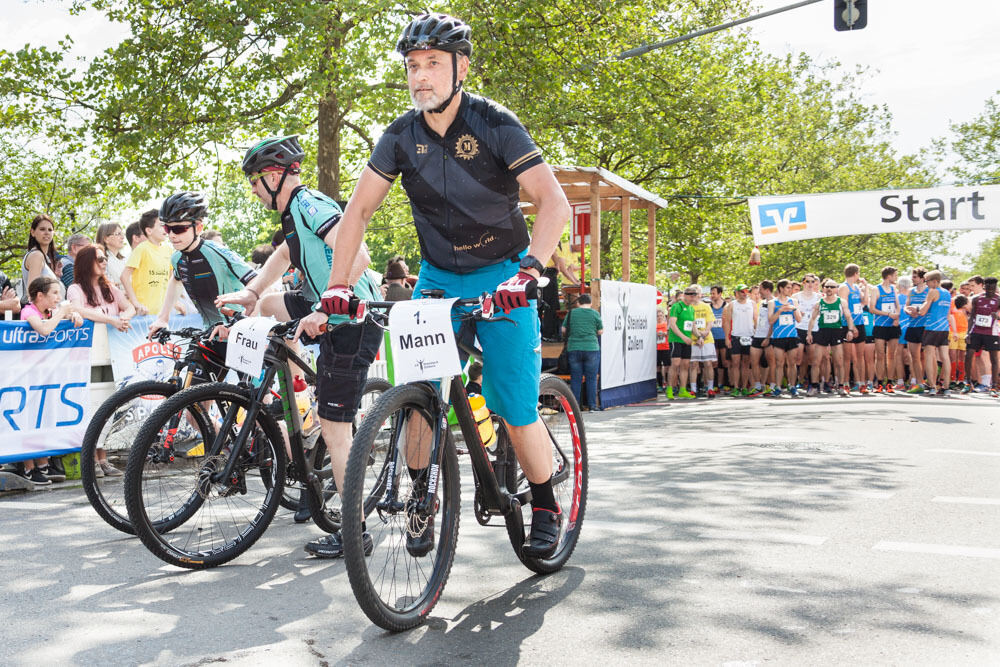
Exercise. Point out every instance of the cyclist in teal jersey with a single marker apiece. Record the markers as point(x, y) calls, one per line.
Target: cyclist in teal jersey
point(886, 329)
point(783, 314)
point(463, 161)
point(935, 310)
point(310, 222)
point(205, 269)
point(915, 329)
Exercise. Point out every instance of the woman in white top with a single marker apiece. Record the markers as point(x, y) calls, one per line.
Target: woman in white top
point(40, 260)
point(111, 237)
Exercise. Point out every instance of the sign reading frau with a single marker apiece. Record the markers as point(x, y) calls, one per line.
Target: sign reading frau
point(798, 217)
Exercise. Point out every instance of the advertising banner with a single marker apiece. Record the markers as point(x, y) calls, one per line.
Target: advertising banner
point(798, 217)
point(628, 344)
point(44, 389)
point(134, 357)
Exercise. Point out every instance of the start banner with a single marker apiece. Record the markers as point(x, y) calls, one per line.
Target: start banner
point(44, 389)
point(798, 217)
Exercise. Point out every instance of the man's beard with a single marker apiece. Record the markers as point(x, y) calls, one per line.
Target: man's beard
point(430, 101)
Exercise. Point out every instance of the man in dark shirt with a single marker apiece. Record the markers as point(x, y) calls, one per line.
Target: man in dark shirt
point(463, 160)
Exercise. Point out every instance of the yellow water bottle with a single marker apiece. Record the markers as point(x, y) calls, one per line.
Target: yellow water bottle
point(483, 419)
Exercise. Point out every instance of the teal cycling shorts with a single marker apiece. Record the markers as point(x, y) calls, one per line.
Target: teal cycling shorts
point(512, 351)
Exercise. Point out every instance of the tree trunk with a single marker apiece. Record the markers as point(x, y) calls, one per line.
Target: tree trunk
point(328, 149)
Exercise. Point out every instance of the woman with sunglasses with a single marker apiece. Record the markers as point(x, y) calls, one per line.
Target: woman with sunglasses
point(92, 292)
point(827, 317)
point(111, 237)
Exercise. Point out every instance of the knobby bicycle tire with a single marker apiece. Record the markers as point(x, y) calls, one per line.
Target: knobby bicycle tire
point(390, 603)
point(113, 428)
point(203, 539)
point(561, 415)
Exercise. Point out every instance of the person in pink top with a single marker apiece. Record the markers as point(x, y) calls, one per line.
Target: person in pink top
point(44, 314)
point(93, 294)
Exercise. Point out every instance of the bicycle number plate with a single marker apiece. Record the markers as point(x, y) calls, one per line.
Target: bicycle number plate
point(247, 343)
point(423, 342)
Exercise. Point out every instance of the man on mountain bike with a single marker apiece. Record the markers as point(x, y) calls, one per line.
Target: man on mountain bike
point(309, 220)
point(463, 159)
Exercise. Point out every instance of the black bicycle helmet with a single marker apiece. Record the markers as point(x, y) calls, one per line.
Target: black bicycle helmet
point(436, 31)
point(183, 206)
point(274, 152)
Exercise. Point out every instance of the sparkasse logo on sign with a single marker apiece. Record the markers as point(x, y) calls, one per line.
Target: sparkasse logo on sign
point(788, 216)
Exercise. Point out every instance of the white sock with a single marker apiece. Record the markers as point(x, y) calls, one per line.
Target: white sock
point(694, 387)
point(986, 380)
point(711, 384)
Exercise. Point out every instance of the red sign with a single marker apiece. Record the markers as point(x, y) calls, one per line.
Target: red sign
point(659, 297)
point(147, 350)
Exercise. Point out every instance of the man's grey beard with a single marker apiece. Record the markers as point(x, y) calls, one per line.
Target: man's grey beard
point(429, 103)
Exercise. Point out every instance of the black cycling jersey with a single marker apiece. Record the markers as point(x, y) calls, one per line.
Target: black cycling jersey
point(462, 187)
point(207, 271)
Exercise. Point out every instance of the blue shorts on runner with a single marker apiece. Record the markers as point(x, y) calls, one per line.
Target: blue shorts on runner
point(512, 351)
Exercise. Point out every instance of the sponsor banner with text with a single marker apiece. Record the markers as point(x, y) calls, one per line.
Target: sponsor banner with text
point(628, 344)
point(135, 358)
point(44, 389)
point(798, 217)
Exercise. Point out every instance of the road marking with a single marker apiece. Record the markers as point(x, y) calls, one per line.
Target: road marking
point(940, 549)
point(966, 501)
point(763, 536)
point(844, 493)
point(963, 451)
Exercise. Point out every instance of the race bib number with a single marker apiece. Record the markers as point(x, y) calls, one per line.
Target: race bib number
point(786, 319)
point(700, 321)
point(985, 321)
point(865, 319)
point(423, 342)
point(831, 316)
point(688, 326)
point(247, 343)
point(716, 324)
point(889, 307)
point(746, 341)
point(857, 309)
point(661, 338)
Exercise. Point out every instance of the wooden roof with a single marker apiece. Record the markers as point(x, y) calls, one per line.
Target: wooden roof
point(576, 183)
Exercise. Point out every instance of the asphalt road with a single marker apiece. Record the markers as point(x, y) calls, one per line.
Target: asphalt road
point(729, 532)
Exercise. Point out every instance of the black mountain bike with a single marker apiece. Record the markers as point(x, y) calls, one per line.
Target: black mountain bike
point(395, 589)
point(217, 504)
point(116, 422)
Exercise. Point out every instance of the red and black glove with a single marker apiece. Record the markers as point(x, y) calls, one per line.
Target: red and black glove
point(337, 300)
point(515, 292)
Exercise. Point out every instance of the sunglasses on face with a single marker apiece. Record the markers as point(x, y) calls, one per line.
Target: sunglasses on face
point(177, 229)
point(101, 259)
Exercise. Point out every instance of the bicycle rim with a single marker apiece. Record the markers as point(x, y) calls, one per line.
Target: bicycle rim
point(113, 428)
point(210, 522)
point(395, 589)
point(559, 412)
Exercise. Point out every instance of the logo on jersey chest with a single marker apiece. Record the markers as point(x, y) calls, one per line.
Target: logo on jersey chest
point(467, 147)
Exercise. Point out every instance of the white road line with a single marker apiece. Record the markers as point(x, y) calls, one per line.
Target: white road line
point(966, 501)
point(963, 451)
point(27, 505)
point(763, 536)
point(940, 549)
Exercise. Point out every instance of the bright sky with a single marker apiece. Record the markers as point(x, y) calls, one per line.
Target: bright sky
point(932, 60)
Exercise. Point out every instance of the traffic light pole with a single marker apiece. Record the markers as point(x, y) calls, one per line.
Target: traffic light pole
point(638, 51)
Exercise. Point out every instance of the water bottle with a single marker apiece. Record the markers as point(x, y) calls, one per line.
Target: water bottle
point(483, 419)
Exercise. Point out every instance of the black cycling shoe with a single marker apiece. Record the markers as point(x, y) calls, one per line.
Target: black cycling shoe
point(302, 514)
point(544, 536)
point(330, 546)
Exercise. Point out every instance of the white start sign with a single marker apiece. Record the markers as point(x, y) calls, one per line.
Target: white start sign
point(247, 343)
point(423, 341)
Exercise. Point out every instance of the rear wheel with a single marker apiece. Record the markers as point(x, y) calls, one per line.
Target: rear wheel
point(559, 412)
point(395, 589)
point(211, 520)
point(113, 429)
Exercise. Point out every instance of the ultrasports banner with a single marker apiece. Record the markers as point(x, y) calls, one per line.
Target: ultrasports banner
point(628, 344)
point(44, 391)
point(134, 357)
point(798, 217)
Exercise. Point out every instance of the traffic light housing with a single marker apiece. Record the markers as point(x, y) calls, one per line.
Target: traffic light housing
point(850, 14)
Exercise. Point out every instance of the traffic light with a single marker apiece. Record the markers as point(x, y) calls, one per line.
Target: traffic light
point(850, 14)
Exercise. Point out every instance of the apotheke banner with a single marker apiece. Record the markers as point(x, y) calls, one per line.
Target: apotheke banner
point(798, 217)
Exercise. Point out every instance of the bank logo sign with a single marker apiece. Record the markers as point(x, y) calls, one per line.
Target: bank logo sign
point(787, 216)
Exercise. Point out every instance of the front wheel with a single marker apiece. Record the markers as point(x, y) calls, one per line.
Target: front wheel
point(113, 429)
point(559, 412)
point(394, 588)
point(211, 520)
